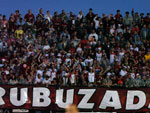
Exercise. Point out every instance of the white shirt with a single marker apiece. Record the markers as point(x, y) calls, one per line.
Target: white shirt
point(80, 16)
point(48, 18)
point(79, 50)
point(136, 49)
point(123, 73)
point(121, 54)
point(112, 58)
point(99, 56)
point(38, 80)
point(53, 75)
point(73, 21)
point(112, 30)
point(132, 75)
point(93, 34)
point(45, 81)
point(72, 78)
point(7, 72)
point(88, 61)
point(59, 60)
point(67, 60)
point(120, 30)
point(48, 73)
point(46, 47)
point(83, 64)
point(96, 23)
point(39, 72)
point(91, 76)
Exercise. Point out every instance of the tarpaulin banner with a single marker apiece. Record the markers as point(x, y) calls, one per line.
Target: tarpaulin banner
point(86, 99)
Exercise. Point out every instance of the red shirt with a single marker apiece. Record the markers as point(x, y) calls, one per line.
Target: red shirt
point(135, 29)
point(29, 18)
point(72, 50)
point(56, 22)
point(83, 43)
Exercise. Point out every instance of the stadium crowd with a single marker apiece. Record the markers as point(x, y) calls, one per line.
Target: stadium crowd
point(75, 50)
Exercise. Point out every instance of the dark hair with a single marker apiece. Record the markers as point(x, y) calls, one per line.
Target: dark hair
point(17, 10)
point(90, 9)
point(127, 12)
point(118, 10)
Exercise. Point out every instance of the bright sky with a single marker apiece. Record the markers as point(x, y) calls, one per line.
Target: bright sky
point(99, 6)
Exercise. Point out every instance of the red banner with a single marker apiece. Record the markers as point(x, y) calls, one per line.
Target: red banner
point(86, 99)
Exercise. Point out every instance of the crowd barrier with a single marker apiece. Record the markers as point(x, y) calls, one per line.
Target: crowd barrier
point(96, 99)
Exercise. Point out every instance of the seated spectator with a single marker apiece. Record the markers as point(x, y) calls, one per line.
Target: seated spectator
point(38, 79)
point(65, 34)
point(107, 81)
point(46, 81)
point(129, 82)
point(137, 81)
point(119, 29)
point(123, 72)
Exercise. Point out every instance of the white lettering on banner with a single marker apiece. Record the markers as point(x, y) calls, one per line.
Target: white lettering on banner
point(23, 96)
point(85, 97)
point(69, 97)
point(130, 100)
point(110, 99)
point(41, 93)
point(84, 102)
point(2, 93)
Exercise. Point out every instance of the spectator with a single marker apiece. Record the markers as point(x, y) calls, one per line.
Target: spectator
point(97, 21)
point(107, 81)
point(29, 18)
point(144, 32)
point(136, 17)
point(48, 16)
point(137, 81)
point(118, 17)
point(65, 50)
point(129, 82)
point(127, 20)
point(91, 77)
point(90, 15)
point(19, 32)
point(80, 15)
point(93, 36)
point(4, 22)
point(40, 14)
